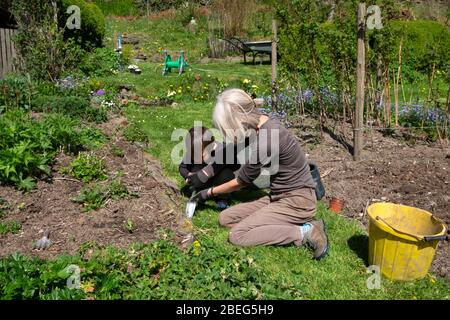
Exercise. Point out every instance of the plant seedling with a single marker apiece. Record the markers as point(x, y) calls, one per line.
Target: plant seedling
point(129, 225)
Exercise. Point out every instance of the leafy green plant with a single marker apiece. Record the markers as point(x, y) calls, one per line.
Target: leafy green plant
point(134, 132)
point(159, 270)
point(117, 189)
point(4, 207)
point(92, 138)
point(87, 167)
point(9, 227)
point(25, 149)
point(129, 225)
point(70, 105)
point(103, 62)
point(92, 198)
point(16, 92)
point(117, 151)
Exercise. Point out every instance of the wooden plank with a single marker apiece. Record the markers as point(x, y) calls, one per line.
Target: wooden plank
point(13, 32)
point(274, 65)
point(8, 50)
point(1, 54)
point(4, 56)
point(360, 75)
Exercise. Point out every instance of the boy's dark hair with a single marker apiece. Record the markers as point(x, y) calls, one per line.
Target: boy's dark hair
point(198, 139)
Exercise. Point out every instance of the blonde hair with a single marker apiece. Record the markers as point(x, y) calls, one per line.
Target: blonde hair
point(236, 112)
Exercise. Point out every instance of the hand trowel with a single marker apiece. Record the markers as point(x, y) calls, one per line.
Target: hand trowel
point(191, 205)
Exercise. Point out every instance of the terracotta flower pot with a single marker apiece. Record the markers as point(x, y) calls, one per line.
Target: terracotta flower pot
point(336, 205)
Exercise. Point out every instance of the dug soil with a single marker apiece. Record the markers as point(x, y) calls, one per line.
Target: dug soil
point(144, 218)
point(392, 170)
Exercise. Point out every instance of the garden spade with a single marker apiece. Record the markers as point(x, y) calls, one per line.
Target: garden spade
point(191, 205)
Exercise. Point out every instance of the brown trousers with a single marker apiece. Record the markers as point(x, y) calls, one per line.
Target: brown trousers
point(270, 220)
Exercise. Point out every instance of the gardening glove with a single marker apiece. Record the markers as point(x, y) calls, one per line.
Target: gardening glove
point(44, 242)
point(201, 196)
point(197, 180)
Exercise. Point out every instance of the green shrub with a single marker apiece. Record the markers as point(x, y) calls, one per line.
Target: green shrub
point(62, 132)
point(87, 167)
point(92, 28)
point(69, 105)
point(9, 227)
point(102, 62)
point(42, 51)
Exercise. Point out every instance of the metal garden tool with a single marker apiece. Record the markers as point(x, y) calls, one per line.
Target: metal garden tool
point(191, 205)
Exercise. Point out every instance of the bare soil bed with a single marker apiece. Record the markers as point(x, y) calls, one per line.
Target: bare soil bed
point(416, 175)
point(49, 206)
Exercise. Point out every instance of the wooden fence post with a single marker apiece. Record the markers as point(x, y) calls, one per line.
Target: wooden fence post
point(360, 78)
point(274, 65)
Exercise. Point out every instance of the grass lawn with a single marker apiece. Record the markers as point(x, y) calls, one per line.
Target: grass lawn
point(341, 276)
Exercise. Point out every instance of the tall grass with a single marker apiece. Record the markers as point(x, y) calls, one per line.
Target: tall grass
point(233, 15)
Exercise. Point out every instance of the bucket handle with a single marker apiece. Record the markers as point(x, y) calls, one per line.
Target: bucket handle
point(425, 238)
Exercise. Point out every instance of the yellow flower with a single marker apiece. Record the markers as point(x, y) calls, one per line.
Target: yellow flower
point(88, 286)
point(245, 81)
point(254, 86)
point(196, 244)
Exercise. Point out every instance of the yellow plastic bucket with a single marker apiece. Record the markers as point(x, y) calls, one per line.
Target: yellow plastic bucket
point(403, 240)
